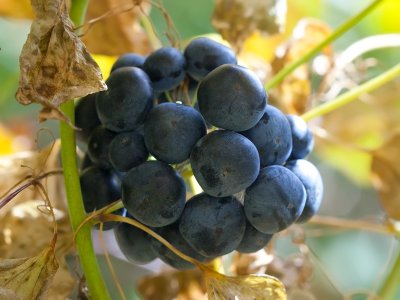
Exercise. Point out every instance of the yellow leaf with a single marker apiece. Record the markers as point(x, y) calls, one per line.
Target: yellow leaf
point(54, 64)
point(119, 31)
point(28, 278)
point(251, 287)
point(105, 63)
point(16, 9)
point(385, 169)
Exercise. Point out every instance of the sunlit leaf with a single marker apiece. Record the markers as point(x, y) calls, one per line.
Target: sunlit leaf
point(16, 9)
point(119, 27)
point(250, 287)
point(346, 136)
point(293, 94)
point(385, 170)
point(237, 20)
point(55, 65)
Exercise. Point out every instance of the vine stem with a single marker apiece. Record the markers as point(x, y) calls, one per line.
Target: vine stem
point(84, 246)
point(281, 75)
point(353, 94)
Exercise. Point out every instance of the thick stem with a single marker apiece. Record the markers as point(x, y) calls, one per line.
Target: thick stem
point(353, 94)
point(84, 246)
point(305, 58)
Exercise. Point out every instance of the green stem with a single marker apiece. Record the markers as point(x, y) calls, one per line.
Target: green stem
point(391, 285)
point(353, 94)
point(77, 213)
point(337, 33)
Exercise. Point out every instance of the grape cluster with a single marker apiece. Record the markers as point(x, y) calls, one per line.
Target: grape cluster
point(247, 156)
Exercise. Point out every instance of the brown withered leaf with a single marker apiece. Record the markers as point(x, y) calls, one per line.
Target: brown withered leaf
point(293, 94)
point(385, 170)
point(28, 278)
point(237, 20)
point(119, 27)
point(54, 64)
point(183, 285)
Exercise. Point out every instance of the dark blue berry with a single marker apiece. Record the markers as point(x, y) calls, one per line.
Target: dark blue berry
point(171, 234)
point(171, 130)
point(134, 243)
point(253, 240)
point(128, 60)
point(272, 137)
point(213, 226)
point(126, 103)
point(275, 200)
point(86, 117)
point(224, 163)
point(204, 55)
point(127, 150)
point(232, 97)
point(98, 146)
point(303, 140)
point(312, 181)
point(154, 193)
point(165, 68)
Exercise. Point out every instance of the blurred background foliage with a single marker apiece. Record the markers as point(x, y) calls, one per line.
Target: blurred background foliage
point(345, 262)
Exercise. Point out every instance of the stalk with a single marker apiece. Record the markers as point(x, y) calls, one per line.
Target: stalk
point(84, 246)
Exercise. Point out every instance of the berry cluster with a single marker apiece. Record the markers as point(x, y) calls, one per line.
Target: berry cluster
point(250, 163)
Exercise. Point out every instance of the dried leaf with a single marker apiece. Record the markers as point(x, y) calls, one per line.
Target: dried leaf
point(237, 20)
point(24, 230)
point(385, 169)
point(29, 278)
point(293, 94)
point(251, 287)
point(119, 27)
point(54, 64)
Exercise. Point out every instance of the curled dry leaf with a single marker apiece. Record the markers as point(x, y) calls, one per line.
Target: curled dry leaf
point(118, 24)
point(28, 278)
point(293, 94)
point(237, 20)
point(54, 64)
point(250, 287)
point(385, 170)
